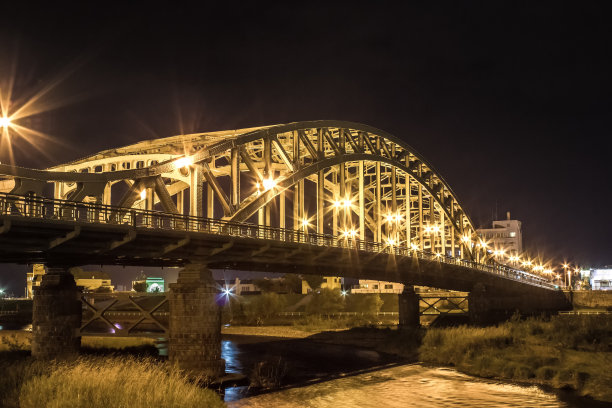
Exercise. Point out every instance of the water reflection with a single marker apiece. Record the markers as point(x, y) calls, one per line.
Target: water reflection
point(407, 385)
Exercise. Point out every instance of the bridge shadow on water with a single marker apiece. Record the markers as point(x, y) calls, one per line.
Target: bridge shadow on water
point(296, 362)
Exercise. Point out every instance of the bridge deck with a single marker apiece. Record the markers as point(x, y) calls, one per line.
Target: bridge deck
point(68, 233)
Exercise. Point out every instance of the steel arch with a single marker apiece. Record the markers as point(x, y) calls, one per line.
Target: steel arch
point(329, 155)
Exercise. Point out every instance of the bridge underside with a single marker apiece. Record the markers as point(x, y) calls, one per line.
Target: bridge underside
point(57, 242)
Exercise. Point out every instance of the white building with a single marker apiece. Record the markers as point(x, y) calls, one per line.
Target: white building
point(600, 279)
point(374, 286)
point(504, 235)
point(240, 287)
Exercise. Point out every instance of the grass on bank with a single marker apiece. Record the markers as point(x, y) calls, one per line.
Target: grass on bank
point(108, 375)
point(567, 352)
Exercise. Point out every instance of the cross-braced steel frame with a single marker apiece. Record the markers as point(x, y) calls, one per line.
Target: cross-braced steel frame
point(328, 177)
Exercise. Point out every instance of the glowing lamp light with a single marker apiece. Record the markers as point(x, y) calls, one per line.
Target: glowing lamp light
point(465, 238)
point(346, 203)
point(391, 242)
point(435, 228)
point(344, 293)
point(183, 162)
point(414, 247)
point(337, 204)
point(438, 255)
point(269, 184)
point(143, 194)
point(5, 122)
point(353, 233)
point(305, 223)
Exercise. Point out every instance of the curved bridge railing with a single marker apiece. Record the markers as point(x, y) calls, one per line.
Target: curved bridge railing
point(54, 209)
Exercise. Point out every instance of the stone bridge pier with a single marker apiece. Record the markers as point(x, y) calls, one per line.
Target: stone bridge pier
point(56, 315)
point(195, 323)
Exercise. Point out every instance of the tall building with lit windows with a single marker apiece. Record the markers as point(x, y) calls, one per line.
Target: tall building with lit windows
point(504, 235)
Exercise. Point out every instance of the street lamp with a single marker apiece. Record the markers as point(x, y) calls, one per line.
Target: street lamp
point(5, 122)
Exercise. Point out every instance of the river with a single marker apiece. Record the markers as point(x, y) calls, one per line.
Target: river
point(322, 375)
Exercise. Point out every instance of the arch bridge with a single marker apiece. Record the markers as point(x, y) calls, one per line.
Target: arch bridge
point(325, 197)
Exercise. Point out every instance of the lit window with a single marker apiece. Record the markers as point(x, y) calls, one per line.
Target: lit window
point(513, 234)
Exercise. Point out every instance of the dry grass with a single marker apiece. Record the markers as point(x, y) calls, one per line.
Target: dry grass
point(563, 352)
point(112, 378)
point(99, 382)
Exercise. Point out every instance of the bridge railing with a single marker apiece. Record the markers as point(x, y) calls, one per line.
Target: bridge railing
point(40, 207)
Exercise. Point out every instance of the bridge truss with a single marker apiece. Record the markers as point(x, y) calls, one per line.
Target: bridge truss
point(326, 177)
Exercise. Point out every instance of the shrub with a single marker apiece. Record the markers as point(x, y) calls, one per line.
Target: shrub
point(326, 301)
point(113, 382)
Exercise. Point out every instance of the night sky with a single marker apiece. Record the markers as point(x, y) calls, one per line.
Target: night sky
point(510, 101)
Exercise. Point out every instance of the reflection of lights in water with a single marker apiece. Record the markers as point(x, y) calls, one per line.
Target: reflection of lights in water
point(426, 387)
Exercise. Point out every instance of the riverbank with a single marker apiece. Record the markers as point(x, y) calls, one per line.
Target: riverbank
point(109, 373)
point(563, 352)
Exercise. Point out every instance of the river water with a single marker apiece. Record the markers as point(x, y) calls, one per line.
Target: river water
point(322, 375)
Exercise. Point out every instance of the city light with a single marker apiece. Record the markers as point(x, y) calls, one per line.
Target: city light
point(269, 184)
point(344, 293)
point(337, 204)
point(183, 162)
point(5, 122)
point(391, 242)
point(466, 238)
point(143, 194)
point(347, 203)
point(305, 223)
point(414, 247)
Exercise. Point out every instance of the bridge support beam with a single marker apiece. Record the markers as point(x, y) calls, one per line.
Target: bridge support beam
point(409, 316)
point(56, 316)
point(195, 324)
point(490, 308)
point(479, 306)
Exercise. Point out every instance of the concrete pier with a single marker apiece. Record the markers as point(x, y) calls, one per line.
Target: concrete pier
point(56, 316)
point(195, 324)
point(409, 308)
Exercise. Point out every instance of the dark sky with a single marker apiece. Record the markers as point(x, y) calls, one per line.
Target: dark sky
point(510, 101)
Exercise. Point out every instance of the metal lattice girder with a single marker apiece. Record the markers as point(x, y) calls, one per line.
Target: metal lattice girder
point(255, 174)
point(123, 315)
point(443, 303)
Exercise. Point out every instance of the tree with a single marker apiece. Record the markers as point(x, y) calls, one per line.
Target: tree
point(326, 301)
point(140, 286)
point(293, 283)
point(314, 281)
point(266, 285)
point(364, 303)
point(264, 306)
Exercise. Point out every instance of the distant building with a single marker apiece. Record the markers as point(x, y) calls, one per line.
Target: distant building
point(374, 286)
point(504, 235)
point(600, 279)
point(92, 280)
point(329, 282)
point(33, 279)
point(89, 280)
point(240, 287)
point(151, 284)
